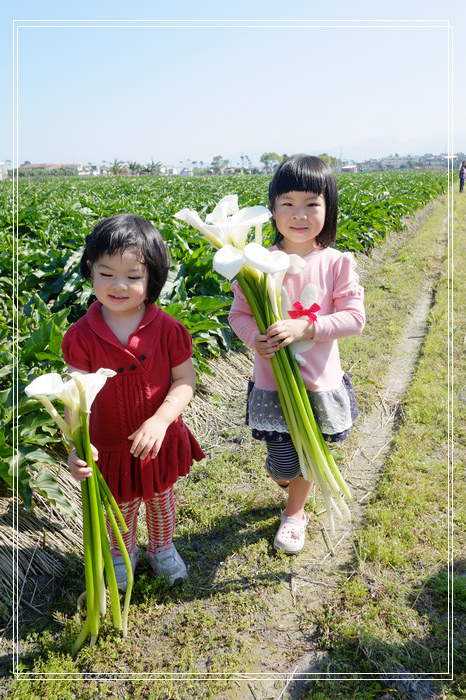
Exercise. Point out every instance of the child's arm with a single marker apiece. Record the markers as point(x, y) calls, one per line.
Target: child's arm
point(78, 467)
point(149, 436)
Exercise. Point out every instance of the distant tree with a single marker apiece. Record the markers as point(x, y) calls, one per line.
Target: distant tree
point(117, 167)
point(270, 161)
point(218, 163)
point(134, 167)
point(152, 168)
point(330, 160)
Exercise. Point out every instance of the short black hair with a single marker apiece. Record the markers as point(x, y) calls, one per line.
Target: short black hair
point(116, 234)
point(303, 173)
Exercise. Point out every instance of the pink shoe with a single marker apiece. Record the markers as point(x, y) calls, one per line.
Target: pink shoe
point(291, 534)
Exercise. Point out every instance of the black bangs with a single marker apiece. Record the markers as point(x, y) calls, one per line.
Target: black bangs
point(299, 174)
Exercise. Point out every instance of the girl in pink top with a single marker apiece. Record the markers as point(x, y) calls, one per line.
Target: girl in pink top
point(304, 202)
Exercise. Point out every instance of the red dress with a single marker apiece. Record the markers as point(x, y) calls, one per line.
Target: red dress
point(130, 397)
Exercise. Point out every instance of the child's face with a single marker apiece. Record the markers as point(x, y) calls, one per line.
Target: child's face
point(299, 217)
point(120, 282)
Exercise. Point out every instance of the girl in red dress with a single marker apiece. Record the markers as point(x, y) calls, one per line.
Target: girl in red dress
point(140, 440)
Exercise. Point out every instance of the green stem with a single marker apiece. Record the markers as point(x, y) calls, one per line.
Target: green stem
point(88, 546)
point(92, 619)
point(81, 637)
point(110, 571)
point(126, 559)
point(103, 486)
point(94, 505)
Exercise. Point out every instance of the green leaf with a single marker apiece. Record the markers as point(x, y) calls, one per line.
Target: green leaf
point(14, 472)
point(48, 487)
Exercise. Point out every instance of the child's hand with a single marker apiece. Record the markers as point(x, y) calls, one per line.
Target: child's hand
point(265, 348)
point(78, 467)
point(148, 437)
point(283, 333)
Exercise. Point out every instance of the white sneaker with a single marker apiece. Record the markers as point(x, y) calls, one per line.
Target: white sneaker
point(167, 562)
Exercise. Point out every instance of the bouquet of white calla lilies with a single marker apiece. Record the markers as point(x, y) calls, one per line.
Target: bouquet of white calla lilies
point(78, 394)
point(260, 273)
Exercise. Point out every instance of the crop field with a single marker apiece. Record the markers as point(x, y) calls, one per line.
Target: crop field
point(44, 228)
point(365, 614)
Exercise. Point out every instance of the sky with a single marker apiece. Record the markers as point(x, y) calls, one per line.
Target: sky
point(212, 78)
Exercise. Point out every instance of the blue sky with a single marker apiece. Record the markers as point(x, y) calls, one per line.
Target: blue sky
point(92, 93)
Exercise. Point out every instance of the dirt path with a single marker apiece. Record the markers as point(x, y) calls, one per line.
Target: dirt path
point(317, 576)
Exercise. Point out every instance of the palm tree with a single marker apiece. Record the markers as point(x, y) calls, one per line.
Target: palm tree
point(117, 167)
point(134, 167)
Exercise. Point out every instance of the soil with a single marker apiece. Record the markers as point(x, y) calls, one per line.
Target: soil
point(318, 570)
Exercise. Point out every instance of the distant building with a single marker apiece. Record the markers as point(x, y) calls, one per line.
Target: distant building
point(168, 170)
point(92, 170)
point(3, 171)
point(395, 162)
point(48, 166)
point(434, 161)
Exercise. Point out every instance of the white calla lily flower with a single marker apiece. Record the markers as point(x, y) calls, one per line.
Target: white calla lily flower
point(45, 385)
point(268, 261)
point(44, 388)
point(226, 224)
point(295, 265)
point(228, 261)
point(192, 218)
point(227, 206)
point(69, 394)
point(89, 385)
point(236, 227)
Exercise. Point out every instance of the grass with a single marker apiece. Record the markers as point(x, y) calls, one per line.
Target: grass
point(236, 613)
point(395, 611)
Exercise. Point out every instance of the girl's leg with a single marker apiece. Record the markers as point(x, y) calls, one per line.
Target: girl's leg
point(160, 517)
point(161, 553)
point(298, 493)
point(283, 465)
point(129, 511)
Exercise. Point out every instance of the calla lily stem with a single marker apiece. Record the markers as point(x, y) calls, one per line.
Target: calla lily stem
point(78, 394)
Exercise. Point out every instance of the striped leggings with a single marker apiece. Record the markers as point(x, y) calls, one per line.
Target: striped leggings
point(282, 461)
point(160, 520)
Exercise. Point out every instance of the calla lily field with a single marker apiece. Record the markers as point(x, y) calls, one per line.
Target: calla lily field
point(44, 224)
point(217, 230)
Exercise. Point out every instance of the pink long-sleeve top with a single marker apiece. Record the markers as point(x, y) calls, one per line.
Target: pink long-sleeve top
point(341, 299)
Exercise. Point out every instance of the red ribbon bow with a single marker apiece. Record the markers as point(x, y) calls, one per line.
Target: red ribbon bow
point(301, 311)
